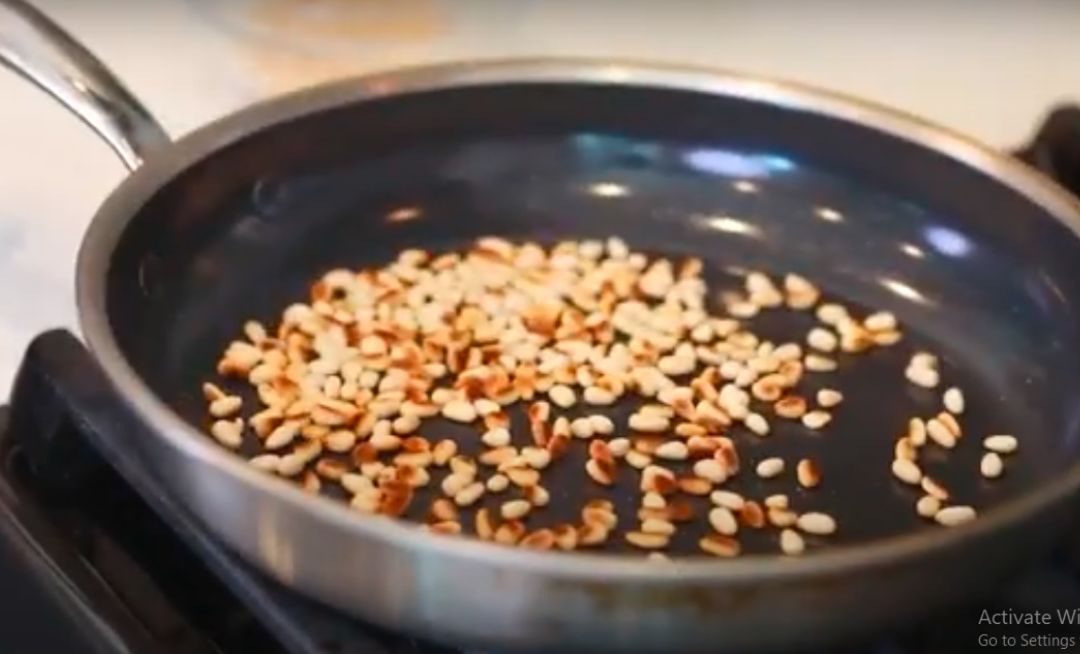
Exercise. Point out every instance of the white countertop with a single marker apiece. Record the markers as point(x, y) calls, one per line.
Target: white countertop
point(988, 69)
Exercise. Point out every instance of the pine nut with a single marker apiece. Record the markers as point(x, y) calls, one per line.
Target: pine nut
point(723, 521)
point(827, 398)
point(597, 396)
point(940, 434)
point(905, 450)
point(600, 473)
point(453, 483)
point(711, 470)
point(781, 518)
point(777, 501)
point(566, 537)
point(728, 499)
point(907, 471)
point(536, 458)
point(756, 423)
point(935, 489)
point(673, 451)
point(541, 539)
point(514, 509)
point(647, 541)
point(470, 494)
point(821, 339)
point(1000, 443)
point(769, 468)
point(459, 411)
point(882, 321)
point(922, 376)
point(658, 526)
point(791, 543)
point(953, 399)
point(266, 462)
point(818, 363)
point(950, 423)
point(637, 459)
point(498, 437)
point(562, 396)
point(497, 483)
point(917, 432)
point(653, 500)
point(601, 425)
point(537, 495)
point(405, 425)
point(955, 515)
point(819, 524)
point(485, 525)
point(230, 433)
point(225, 407)
point(694, 485)
point(816, 419)
point(928, 506)
point(443, 451)
point(619, 447)
point(720, 545)
point(581, 428)
point(290, 465)
point(991, 466)
point(282, 436)
point(791, 407)
point(509, 533)
point(648, 423)
point(808, 473)
point(523, 477)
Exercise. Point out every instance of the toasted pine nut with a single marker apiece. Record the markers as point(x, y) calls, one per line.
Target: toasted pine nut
point(600, 473)
point(536, 457)
point(917, 432)
point(720, 545)
point(991, 466)
point(541, 539)
point(882, 321)
point(711, 470)
point(523, 477)
point(694, 485)
point(566, 537)
point(658, 526)
point(1000, 443)
point(752, 515)
point(509, 532)
point(485, 525)
point(808, 473)
point(791, 543)
point(647, 541)
point(791, 407)
point(226, 406)
point(468, 495)
point(769, 468)
point(905, 450)
point(907, 471)
point(950, 423)
point(932, 487)
point(442, 510)
point(955, 515)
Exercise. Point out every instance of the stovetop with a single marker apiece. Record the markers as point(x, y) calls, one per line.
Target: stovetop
point(95, 558)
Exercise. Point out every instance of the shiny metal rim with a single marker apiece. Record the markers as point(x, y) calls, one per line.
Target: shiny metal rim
point(110, 221)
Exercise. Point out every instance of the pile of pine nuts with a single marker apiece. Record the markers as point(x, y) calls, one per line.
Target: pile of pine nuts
point(346, 381)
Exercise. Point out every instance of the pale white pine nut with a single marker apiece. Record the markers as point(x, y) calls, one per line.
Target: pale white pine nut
point(658, 526)
point(581, 428)
point(816, 419)
point(230, 433)
point(562, 396)
point(1000, 443)
point(710, 469)
point(225, 407)
point(928, 506)
point(769, 468)
point(921, 376)
point(673, 451)
point(497, 483)
point(791, 543)
point(514, 509)
point(723, 521)
point(955, 515)
point(882, 321)
point(907, 471)
point(940, 434)
point(598, 396)
point(459, 411)
point(648, 423)
point(819, 524)
point(827, 398)
point(818, 363)
point(953, 399)
point(498, 437)
point(728, 499)
point(991, 466)
point(757, 423)
point(822, 339)
point(619, 447)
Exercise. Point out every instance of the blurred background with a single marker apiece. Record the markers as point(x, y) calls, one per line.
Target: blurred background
point(987, 68)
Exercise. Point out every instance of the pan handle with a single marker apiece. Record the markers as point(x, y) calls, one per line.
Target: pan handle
point(37, 48)
point(1055, 149)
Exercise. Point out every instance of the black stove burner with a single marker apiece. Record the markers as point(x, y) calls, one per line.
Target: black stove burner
point(94, 558)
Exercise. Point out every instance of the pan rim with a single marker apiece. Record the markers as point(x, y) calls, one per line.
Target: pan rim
point(111, 219)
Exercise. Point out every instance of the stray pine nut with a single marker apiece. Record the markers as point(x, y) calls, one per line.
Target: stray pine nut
point(1001, 443)
point(791, 543)
point(723, 521)
point(752, 515)
point(940, 434)
point(720, 545)
point(928, 506)
point(827, 398)
point(955, 515)
point(808, 473)
point(769, 468)
point(991, 466)
point(953, 399)
point(907, 471)
point(816, 419)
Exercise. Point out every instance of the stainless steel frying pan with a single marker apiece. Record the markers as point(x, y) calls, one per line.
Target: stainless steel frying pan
point(977, 254)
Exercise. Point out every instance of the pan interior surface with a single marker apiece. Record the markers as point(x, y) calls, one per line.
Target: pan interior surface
point(975, 272)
